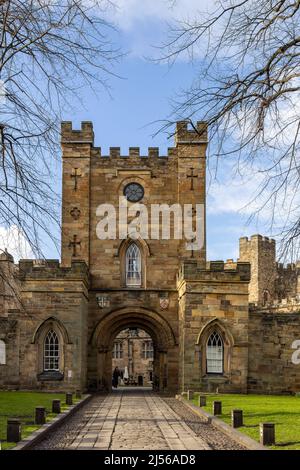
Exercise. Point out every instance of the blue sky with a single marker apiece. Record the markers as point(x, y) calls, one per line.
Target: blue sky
point(142, 96)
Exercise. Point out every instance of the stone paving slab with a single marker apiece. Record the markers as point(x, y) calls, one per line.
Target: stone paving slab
point(133, 420)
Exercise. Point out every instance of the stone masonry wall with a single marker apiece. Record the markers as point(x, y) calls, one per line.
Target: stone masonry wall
point(52, 293)
point(271, 336)
point(218, 298)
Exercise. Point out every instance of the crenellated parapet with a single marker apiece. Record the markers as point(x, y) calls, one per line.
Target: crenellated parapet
point(83, 135)
point(187, 133)
point(50, 270)
point(133, 153)
point(214, 270)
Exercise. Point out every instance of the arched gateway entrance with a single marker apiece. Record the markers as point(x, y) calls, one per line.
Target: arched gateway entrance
point(165, 361)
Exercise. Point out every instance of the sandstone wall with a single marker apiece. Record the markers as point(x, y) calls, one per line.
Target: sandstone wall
point(57, 296)
point(213, 299)
point(270, 352)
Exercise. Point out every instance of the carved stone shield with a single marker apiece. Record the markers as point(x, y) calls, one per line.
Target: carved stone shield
point(164, 303)
point(102, 301)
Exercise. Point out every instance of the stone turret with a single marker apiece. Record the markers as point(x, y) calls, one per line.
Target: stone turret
point(9, 288)
point(260, 252)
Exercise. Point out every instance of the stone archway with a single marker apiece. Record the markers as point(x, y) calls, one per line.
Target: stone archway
point(165, 347)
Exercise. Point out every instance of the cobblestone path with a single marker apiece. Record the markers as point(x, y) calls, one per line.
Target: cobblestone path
point(133, 419)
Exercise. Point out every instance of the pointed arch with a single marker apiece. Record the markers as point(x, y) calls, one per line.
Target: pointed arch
point(48, 324)
point(143, 245)
point(142, 249)
point(216, 323)
point(215, 343)
point(51, 338)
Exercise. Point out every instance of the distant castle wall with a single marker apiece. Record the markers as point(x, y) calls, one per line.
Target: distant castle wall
point(271, 282)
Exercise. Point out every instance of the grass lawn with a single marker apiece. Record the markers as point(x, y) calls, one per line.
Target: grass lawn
point(284, 411)
point(22, 405)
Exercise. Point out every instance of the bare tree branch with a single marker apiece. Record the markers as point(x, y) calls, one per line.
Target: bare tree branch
point(48, 51)
point(247, 86)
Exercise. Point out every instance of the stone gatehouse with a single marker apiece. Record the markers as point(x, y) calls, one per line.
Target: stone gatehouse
point(59, 320)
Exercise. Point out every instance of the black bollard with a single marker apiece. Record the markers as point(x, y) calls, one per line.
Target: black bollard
point(56, 406)
point(69, 398)
point(217, 408)
point(40, 415)
point(13, 430)
point(202, 400)
point(236, 418)
point(267, 433)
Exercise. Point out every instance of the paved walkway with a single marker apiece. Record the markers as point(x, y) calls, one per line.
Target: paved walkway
point(135, 419)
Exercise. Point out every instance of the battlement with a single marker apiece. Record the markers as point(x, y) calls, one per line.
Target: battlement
point(5, 256)
point(133, 153)
point(214, 270)
point(183, 135)
point(288, 305)
point(281, 267)
point(255, 239)
point(51, 269)
point(83, 135)
point(188, 135)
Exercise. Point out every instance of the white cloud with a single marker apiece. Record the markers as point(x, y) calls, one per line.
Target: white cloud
point(16, 244)
point(265, 211)
point(231, 196)
point(128, 13)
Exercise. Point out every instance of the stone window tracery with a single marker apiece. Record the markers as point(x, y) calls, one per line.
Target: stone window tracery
point(2, 352)
point(214, 354)
point(133, 266)
point(51, 352)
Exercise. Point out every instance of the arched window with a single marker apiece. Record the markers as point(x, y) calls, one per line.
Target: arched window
point(214, 354)
point(2, 352)
point(133, 266)
point(266, 297)
point(51, 351)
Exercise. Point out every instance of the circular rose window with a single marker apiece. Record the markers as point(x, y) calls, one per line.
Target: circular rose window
point(134, 192)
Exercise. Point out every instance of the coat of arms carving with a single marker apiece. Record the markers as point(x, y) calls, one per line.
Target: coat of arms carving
point(102, 301)
point(164, 303)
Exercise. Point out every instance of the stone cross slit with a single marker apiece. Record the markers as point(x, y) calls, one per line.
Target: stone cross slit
point(192, 176)
point(75, 175)
point(74, 244)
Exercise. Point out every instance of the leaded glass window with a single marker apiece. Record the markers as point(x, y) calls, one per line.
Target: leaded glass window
point(133, 266)
point(118, 350)
point(214, 354)
point(2, 352)
point(147, 350)
point(51, 351)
